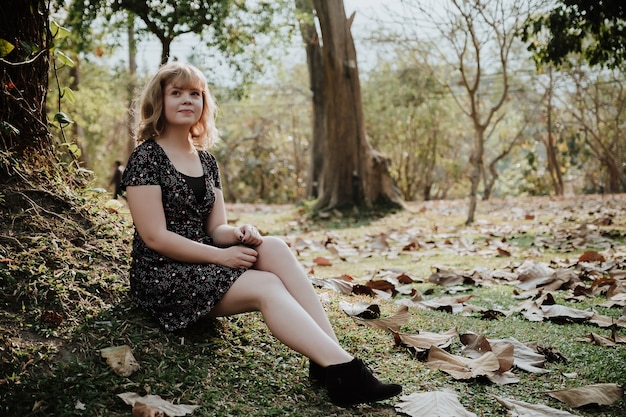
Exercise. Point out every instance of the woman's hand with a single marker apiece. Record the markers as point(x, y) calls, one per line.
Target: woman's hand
point(248, 235)
point(239, 257)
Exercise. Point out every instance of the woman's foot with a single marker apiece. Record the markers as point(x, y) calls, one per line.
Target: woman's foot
point(317, 374)
point(353, 383)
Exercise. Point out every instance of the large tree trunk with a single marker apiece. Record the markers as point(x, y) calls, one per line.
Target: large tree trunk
point(316, 82)
point(24, 81)
point(354, 174)
point(553, 163)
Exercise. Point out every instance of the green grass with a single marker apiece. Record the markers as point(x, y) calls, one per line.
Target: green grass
point(233, 367)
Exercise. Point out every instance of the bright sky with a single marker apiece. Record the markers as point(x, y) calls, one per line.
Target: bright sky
point(367, 11)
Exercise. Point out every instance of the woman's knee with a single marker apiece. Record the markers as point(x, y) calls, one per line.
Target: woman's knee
point(273, 245)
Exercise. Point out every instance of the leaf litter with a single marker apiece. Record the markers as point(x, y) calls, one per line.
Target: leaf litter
point(598, 273)
point(582, 279)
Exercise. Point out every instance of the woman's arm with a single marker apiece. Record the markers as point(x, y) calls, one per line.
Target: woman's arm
point(146, 208)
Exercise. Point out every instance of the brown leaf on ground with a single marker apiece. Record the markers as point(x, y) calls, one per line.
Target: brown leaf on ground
point(383, 285)
point(322, 261)
point(446, 278)
point(551, 354)
point(363, 310)
point(379, 243)
point(156, 402)
point(120, 359)
point(591, 256)
point(564, 313)
point(392, 323)
point(422, 341)
point(341, 284)
point(618, 338)
point(144, 410)
point(616, 300)
point(432, 404)
point(453, 304)
point(503, 252)
point(462, 368)
point(602, 394)
point(596, 339)
point(603, 321)
point(524, 409)
point(526, 357)
point(478, 345)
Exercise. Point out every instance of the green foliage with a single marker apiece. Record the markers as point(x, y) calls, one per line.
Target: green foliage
point(232, 27)
point(5, 47)
point(410, 118)
point(263, 153)
point(595, 30)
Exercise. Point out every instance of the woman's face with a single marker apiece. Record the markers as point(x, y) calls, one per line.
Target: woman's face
point(182, 104)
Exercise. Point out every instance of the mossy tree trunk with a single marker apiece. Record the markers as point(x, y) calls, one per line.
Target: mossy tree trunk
point(24, 81)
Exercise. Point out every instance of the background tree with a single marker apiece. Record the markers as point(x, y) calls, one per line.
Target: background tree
point(475, 38)
point(409, 118)
point(354, 174)
point(266, 135)
point(595, 30)
point(598, 108)
point(315, 65)
point(24, 61)
point(231, 27)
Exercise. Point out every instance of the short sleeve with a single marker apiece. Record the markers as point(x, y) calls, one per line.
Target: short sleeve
point(213, 169)
point(143, 166)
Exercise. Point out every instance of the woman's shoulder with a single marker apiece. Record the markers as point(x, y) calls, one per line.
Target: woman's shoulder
point(207, 156)
point(145, 148)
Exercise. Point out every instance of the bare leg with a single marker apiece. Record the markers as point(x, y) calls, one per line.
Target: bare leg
point(286, 318)
point(276, 257)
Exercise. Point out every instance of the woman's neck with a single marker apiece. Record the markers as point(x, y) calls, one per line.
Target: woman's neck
point(177, 139)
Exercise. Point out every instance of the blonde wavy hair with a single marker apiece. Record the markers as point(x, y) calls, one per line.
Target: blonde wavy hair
point(152, 118)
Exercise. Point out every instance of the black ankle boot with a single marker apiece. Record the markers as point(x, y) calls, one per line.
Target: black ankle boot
point(317, 374)
point(353, 383)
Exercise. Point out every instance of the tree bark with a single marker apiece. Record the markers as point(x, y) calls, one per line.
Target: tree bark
point(315, 66)
point(24, 80)
point(132, 85)
point(553, 163)
point(354, 174)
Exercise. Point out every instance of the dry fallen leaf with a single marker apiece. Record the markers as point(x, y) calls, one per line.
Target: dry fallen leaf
point(432, 404)
point(462, 368)
point(363, 310)
point(478, 345)
point(596, 339)
point(340, 284)
point(114, 206)
point(591, 256)
point(560, 312)
point(120, 359)
point(526, 358)
point(392, 323)
point(424, 340)
point(322, 261)
point(144, 410)
point(156, 402)
point(524, 409)
point(603, 394)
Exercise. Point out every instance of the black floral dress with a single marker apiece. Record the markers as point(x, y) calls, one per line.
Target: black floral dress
point(176, 293)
